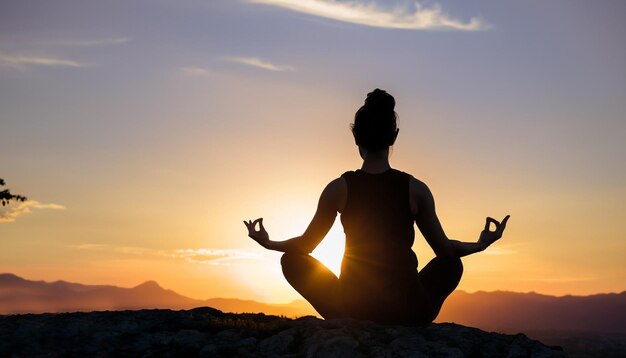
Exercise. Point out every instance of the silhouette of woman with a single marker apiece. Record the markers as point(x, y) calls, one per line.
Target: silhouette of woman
point(379, 280)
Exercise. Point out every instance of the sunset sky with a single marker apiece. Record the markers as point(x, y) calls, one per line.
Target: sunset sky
point(144, 132)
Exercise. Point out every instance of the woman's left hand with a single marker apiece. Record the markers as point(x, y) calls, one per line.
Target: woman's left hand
point(261, 236)
point(488, 237)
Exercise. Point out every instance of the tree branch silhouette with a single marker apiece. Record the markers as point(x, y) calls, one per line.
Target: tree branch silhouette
point(6, 196)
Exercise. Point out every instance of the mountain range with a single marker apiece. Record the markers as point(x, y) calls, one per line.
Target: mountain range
point(18, 295)
point(498, 311)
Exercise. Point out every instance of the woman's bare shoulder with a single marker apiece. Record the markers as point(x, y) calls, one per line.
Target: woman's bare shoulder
point(418, 188)
point(337, 185)
point(335, 194)
point(420, 196)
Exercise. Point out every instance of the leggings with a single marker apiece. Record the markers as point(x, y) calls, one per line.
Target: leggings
point(426, 289)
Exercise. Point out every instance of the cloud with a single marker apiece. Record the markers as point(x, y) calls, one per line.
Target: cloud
point(562, 279)
point(96, 247)
point(25, 208)
point(498, 251)
point(194, 71)
point(500, 248)
point(214, 256)
point(370, 14)
point(257, 62)
point(129, 250)
point(87, 43)
point(19, 62)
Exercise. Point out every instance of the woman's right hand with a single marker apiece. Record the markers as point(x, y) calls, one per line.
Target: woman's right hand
point(261, 236)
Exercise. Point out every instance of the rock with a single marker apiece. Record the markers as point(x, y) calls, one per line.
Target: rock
point(333, 347)
point(210, 350)
point(207, 332)
point(246, 345)
point(277, 344)
point(189, 340)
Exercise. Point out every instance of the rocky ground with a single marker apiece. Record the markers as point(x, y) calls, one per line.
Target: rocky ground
point(212, 333)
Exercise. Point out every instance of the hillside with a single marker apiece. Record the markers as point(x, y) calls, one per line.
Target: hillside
point(209, 332)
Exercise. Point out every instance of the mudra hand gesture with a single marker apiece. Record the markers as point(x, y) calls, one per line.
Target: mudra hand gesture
point(261, 236)
point(488, 237)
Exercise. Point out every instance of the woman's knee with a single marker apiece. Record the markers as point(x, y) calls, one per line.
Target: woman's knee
point(453, 266)
point(449, 261)
point(457, 266)
point(295, 264)
point(289, 259)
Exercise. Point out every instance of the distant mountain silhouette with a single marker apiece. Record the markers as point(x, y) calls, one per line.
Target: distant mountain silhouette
point(297, 308)
point(499, 311)
point(512, 312)
point(18, 295)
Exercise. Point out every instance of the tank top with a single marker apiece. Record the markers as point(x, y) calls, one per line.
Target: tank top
point(378, 224)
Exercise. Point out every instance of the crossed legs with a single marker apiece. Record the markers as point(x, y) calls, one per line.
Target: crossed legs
point(314, 281)
point(320, 287)
point(438, 279)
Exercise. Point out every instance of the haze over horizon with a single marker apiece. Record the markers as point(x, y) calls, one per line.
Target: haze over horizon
point(501, 311)
point(144, 132)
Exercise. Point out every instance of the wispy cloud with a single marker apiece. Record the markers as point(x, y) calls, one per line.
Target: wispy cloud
point(25, 208)
point(87, 43)
point(562, 279)
point(194, 71)
point(370, 14)
point(498, 251)
point(259, 63)
point(86, 246)
point(130, 250)
point(214, 256)
point(20, 62)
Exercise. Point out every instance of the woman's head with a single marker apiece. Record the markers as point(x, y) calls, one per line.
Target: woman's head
point(375, 126)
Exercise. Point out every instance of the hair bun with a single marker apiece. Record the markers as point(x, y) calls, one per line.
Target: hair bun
point(381, 100)
point(375, 124)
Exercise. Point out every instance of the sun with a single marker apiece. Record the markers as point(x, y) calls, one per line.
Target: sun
point(330, 250)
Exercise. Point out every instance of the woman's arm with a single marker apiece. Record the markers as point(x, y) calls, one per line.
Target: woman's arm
point(429, 225)
point(331, 201)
